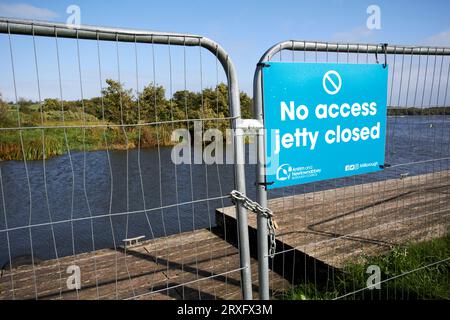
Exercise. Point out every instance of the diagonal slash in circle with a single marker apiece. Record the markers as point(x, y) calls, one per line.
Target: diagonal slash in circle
point(330, 81)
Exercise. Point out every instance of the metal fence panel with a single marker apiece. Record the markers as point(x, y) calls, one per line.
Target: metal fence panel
point(325, 226)
point(71, 222)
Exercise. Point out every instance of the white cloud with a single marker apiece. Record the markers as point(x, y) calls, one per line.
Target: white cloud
point(26, 11)
point(440, 39)
point(355, 35)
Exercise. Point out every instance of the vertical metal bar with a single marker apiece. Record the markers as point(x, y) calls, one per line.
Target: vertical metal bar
point(261, 196)
point(239, 172)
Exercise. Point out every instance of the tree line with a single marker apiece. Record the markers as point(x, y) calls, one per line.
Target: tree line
point(413, 111)
point(121, 106)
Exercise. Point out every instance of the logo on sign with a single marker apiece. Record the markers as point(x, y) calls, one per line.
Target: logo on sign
point(332, 82)
point(284, 172)
point(352, 167)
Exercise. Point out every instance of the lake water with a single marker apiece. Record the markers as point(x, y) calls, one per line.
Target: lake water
point(88, 184)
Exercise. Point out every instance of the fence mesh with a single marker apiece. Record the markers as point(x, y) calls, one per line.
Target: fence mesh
point(334, 234)
point(92, 205)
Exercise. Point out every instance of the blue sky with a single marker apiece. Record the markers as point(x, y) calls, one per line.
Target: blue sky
point(244, 28)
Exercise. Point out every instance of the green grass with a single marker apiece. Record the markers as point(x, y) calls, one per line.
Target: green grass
point(432, 282)
point(33, 144)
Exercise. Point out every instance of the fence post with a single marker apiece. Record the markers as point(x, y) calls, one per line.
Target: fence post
point(239, 172)
point(261, 195)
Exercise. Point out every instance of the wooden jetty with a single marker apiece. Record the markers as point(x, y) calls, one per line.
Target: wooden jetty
point(317, 231)
point(200, 259)
point(327, 229)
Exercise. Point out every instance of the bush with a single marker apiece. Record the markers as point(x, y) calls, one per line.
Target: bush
point(5, 120)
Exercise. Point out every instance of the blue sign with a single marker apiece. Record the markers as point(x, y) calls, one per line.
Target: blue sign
point(323, 120)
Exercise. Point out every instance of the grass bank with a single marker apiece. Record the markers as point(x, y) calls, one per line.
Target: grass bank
point(432, 282)
point(33, 143)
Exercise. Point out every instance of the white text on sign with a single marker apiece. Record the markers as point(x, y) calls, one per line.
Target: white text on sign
point(302, 137)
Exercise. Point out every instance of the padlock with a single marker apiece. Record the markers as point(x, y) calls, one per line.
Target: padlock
point(275, 224)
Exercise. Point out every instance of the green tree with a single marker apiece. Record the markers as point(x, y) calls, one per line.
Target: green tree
point(25, 105)
point(217, 100)
point(185, 101)
point(154, 95)
point(73, 106)
point(51, 105)
point(118, 103)
point(246, 106)
point(93, 107)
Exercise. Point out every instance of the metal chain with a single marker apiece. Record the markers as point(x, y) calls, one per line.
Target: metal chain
point(255, 207)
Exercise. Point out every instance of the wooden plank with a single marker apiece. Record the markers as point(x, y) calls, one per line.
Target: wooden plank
point(201, 259)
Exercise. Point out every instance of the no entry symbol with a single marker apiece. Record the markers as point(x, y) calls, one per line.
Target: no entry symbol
point(332, 82)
